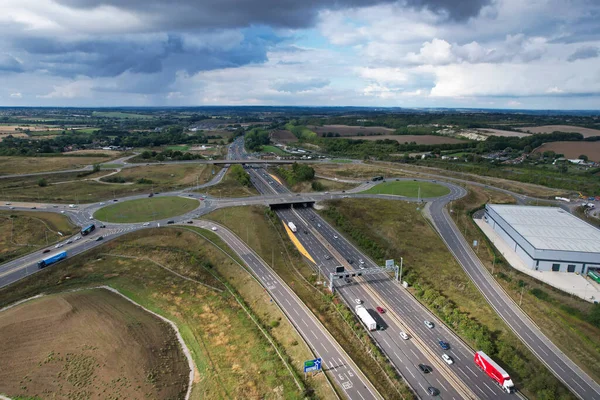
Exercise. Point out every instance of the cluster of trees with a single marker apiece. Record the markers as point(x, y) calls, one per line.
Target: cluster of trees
point(381, 149)
point(297, 173)
point(174, 155)
point(239, 174)
point(256, 139)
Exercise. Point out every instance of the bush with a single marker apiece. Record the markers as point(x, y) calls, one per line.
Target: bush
point(318, 186)
point(144, 181)
point(540, 294)
point(240, 175)
point(114, 179)
point(42, 182)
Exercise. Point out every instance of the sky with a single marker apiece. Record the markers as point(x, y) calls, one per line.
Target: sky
point(516, 54)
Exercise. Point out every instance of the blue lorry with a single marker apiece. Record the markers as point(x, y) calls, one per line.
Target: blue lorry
point(52, 259)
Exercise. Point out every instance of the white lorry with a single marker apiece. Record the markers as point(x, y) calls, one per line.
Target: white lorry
point(366, 318)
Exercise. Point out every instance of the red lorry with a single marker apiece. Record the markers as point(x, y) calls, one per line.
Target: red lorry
point(494, 371)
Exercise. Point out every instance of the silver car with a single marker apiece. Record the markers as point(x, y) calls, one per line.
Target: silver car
point(428, 324)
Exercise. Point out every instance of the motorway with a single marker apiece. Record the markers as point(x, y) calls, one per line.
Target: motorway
point(404, 313)
point(335, 360)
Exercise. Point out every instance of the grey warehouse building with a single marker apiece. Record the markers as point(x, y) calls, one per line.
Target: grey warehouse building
point(547, 238)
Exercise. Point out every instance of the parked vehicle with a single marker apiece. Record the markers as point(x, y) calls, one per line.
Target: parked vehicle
point(52, 259)
point(494, 371)
point(366, 318)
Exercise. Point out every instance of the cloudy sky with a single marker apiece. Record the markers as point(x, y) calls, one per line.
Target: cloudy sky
point(406, 53)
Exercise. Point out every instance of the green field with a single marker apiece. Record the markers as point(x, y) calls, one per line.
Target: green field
point(86, 130)
point(182, 147)
point(274, 149)
point(149, 209)
point(409, 189)
point(119, 114)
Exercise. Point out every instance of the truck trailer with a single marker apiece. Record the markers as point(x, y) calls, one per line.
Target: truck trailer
point(366, 318)
point(494, 371)
point(292, 227)
point(52, 259)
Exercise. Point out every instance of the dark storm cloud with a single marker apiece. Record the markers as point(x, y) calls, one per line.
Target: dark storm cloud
point(111, 57)
point(585, 52)
point(194, 14)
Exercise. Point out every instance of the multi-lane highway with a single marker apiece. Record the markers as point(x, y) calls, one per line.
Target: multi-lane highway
point(330, 249)
point(340, 366)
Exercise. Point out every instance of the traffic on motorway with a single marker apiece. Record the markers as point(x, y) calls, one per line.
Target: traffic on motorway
point(432, 359)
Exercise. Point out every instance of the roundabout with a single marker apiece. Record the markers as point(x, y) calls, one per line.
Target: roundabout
point(146, 209)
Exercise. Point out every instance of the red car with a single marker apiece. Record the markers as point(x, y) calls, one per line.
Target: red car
point(380, 310)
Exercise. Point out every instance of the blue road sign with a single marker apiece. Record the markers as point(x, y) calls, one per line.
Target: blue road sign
point(312, 365)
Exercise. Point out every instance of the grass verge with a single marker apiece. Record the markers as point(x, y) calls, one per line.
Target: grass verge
point(23, 232)
point(263, 232)
point(396, 229)
point(229, 187)
point(232, 357)
point(148, 209)
point(409, 189)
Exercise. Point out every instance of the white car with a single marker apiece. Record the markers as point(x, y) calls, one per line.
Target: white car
point(146, 224)
point(358, 301)
point(12, 208)
point(62, 212)
point(403, 335)
point(77, 237)
point(58, 246)
point(8, 204)
point(102, 203)
point(448, 359)
point(428, 324)
point(91, 218)
point(214, 228)
point(335, 236)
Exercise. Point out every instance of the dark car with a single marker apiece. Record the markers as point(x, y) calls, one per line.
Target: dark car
point(46, 251)
point(190, 222)
point(151, 195)
point(99, 238)
point(34, 208)
point(432, 391)
point(425, 368)
point(170, 222)
point(444, 345)
point(115, 200)
point(350, 261)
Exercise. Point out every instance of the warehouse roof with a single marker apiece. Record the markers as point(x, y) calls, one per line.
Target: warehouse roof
point(550, 228)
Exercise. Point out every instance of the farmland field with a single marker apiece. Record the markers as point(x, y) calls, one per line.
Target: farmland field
point(119, 114)
point(32, 128)
point(586, 132)
point(419, 139)
point(347, 130)
point(89, 344)
point(573, 149)
point(500, 132)
point(27, 165)
point(274, 149)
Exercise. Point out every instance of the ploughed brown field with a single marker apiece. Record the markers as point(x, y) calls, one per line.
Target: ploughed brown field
point(586, 132)
point(419, 139)
point(347, 130)
point(89, 344)
point(283, 136)
point(573, 149)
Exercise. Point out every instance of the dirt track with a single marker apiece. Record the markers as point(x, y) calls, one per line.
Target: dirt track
point(89, 344)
